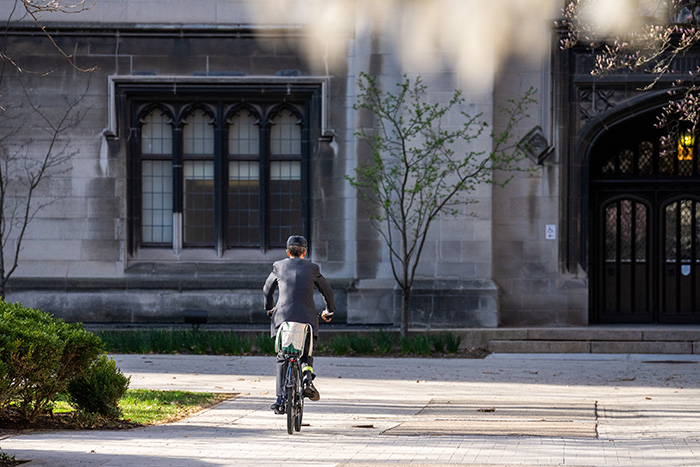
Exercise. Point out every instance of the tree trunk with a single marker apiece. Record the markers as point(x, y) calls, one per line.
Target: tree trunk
point(405, 295)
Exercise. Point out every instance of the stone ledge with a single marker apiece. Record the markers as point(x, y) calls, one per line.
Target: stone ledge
point(672, 334)
point(164, 283)
point(532, 346)
point(591, 334)
point(643, 347)
point(583, 345)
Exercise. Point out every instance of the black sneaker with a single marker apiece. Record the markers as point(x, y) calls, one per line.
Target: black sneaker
point(278, 406)
point(310, 390)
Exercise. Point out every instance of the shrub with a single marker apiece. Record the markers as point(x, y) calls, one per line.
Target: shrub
point(340, 345)
point(437, 342)
point(265, 343)
point(195, 341)
point(384, 341)
point(6, 459)
point(125, 341)
point(229, 343)
point(164, 340)
point(362, 345)
point(40, 355)
point(416, 345)
point(406, 345)
point(452, 342)
point(5, 383)
point(100, 389)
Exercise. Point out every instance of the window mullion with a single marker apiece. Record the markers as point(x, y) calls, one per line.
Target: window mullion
point(178, 189)
point(219, 172)
point(305, 178)
point(264, 177)
point(135, 196)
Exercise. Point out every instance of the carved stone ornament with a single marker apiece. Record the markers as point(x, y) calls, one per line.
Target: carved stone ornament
point(535, 145)
point(595, 101)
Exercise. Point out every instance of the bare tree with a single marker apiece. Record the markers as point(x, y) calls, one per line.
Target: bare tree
point(26, 165)
point(34, 143)
point(33, 9)
point(416, 173)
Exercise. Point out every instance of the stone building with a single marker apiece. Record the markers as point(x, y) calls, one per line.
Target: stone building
point(209, 136)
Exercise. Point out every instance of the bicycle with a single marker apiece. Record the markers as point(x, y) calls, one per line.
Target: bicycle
point(293, 393)
point(294, 340)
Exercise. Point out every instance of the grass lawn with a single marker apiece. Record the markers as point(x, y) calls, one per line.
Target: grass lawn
point(149, 407)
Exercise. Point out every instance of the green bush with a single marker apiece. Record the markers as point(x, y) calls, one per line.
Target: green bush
point(5, 382)
point(406, 345)
point(416, 345)
point(438, 343)
point(195, 341)
point(229, 343)
point(363, 345)
point(384, 341)
point(40, 355)
point(125, 341)
point(184, 341)
point(452, 342)
point(100, 389)
point(265, 343)
point(339, 345)
point(163, 340)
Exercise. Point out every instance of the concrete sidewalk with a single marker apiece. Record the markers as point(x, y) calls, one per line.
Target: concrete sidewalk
point(505, 410)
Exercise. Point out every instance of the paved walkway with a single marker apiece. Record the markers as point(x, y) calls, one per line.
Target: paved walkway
point(505, 410)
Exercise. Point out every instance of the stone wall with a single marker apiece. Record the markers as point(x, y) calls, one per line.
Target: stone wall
point(488, 266)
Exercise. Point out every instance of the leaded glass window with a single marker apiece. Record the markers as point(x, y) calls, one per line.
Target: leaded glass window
point(156, 179)
point(644, 160)
point(285, 177)
point(157, 189)
point(222, 173)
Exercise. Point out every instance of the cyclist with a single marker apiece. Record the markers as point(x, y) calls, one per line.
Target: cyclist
point(295, 279)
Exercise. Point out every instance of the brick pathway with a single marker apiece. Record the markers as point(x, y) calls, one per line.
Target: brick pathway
point(592, 410)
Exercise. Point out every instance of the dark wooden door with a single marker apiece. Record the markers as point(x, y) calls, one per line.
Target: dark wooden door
point(645, 229)
point(624, 261)
point(679, 277)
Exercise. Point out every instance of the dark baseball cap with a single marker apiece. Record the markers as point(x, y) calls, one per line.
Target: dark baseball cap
point(297, 240)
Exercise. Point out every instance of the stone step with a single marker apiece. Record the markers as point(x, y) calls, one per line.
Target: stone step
point(591, 346)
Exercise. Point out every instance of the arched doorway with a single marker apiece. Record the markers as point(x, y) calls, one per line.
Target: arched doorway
point(645, 228)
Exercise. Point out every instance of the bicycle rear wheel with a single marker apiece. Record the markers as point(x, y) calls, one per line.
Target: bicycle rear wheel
point(292, 393)
point(299, 395)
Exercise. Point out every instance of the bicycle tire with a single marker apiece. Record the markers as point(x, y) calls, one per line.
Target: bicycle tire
point(299, 396)
point(291, 390)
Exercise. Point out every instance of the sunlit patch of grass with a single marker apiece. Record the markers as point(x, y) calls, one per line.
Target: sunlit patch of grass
point(149, 407)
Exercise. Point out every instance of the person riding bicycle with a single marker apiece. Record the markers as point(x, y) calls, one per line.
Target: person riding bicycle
point(295, 278)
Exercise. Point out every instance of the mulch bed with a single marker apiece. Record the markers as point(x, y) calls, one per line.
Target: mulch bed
point(10, 462)
point(12, 423)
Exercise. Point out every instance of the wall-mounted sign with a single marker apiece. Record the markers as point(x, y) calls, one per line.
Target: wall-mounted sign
point(550, 232)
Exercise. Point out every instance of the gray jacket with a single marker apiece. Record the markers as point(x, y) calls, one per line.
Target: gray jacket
point(296, 278)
